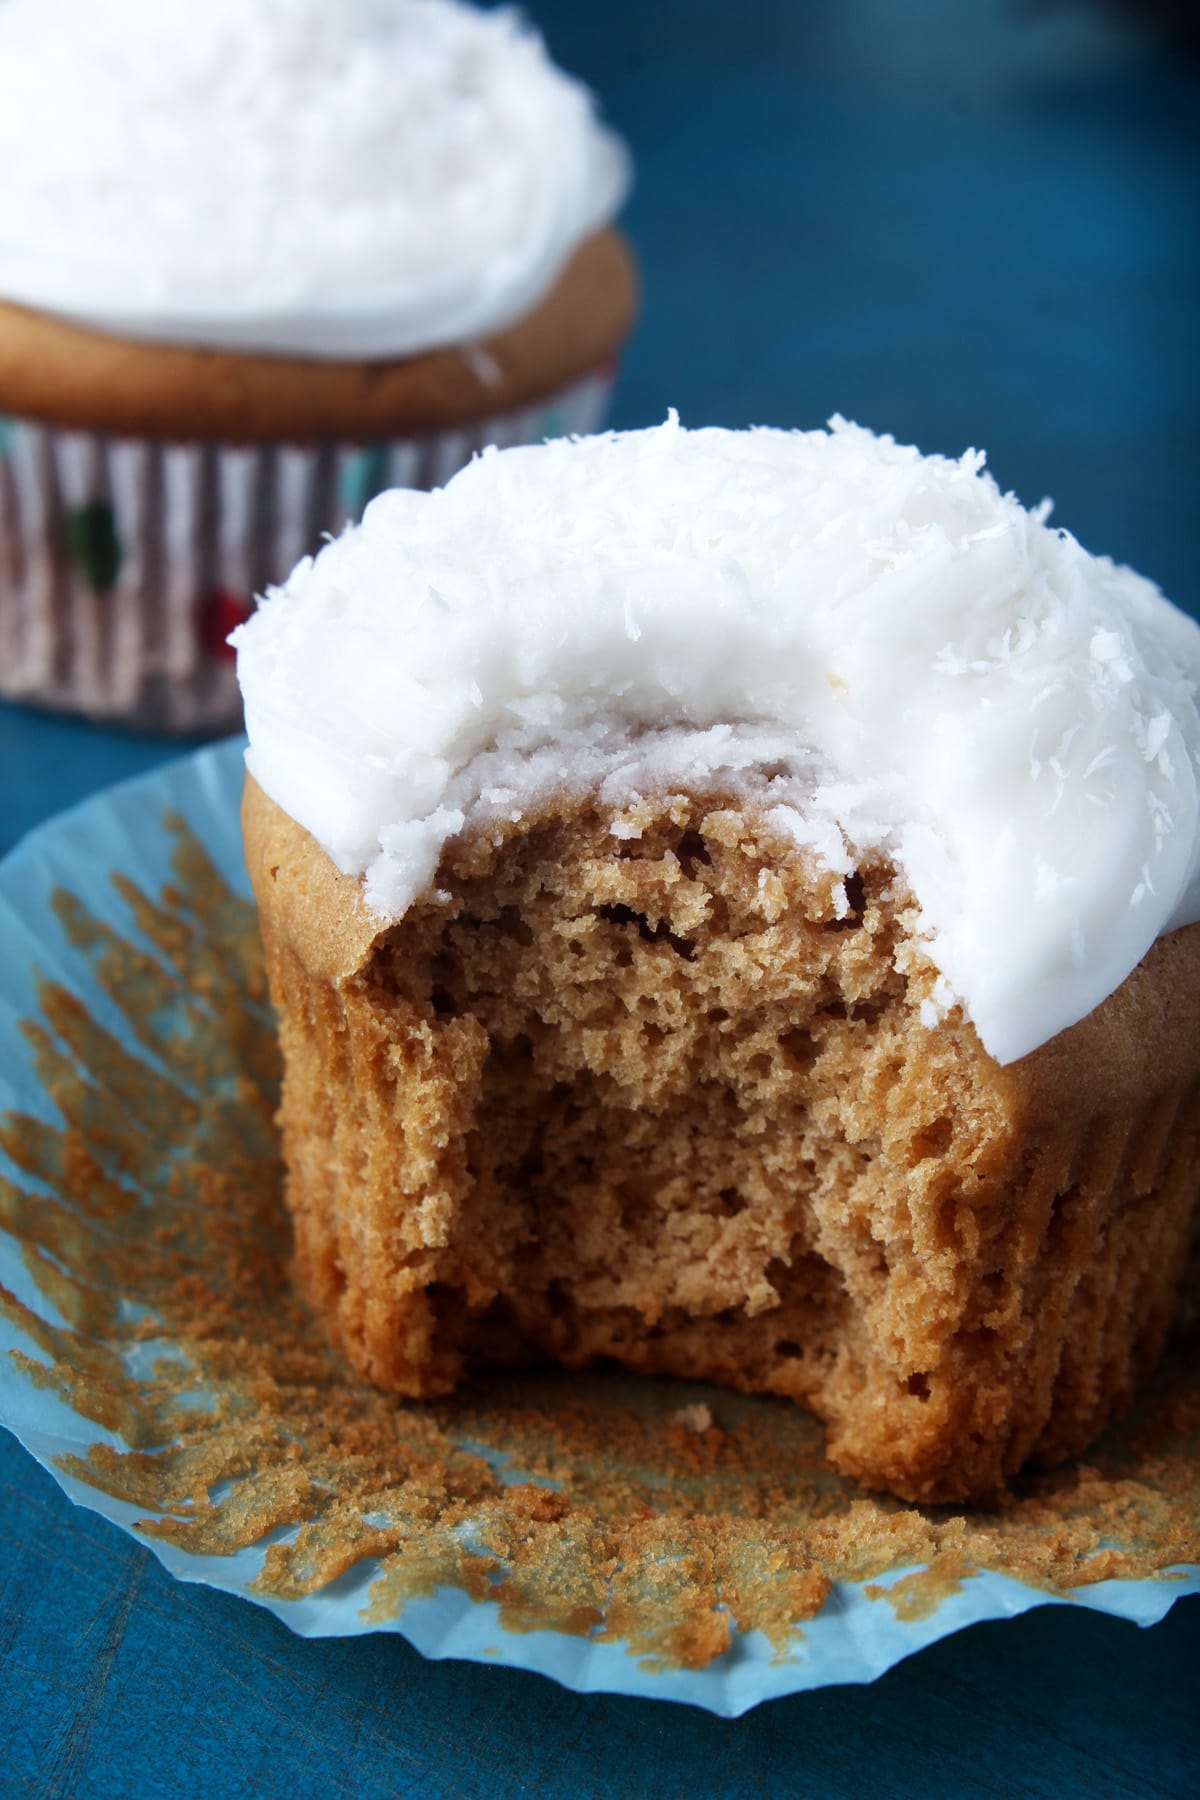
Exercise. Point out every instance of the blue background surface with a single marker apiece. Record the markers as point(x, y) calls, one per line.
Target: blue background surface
point(963, 221)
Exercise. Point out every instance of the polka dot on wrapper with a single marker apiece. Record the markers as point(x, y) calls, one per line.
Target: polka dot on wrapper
point(95, 544)
point(364, 476)
point(220, 611)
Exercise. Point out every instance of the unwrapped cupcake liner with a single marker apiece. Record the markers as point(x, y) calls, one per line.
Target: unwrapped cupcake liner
point(126, 562)
point(125, 971)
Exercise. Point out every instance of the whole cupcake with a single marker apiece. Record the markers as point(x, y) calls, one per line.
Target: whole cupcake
point(731, 901)
point(259, 260)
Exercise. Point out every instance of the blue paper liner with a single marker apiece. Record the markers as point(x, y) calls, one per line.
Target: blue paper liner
point(855, 1636)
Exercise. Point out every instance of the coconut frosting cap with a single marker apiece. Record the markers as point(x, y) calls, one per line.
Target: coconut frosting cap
point(361, 179)
point(903, 658)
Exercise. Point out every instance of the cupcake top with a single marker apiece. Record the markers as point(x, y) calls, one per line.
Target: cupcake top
point(367, 179)
point(892, 655)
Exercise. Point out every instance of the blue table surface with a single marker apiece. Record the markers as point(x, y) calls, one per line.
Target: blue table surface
point(962, 221)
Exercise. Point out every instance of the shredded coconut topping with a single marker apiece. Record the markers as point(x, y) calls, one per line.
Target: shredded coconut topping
point(894, 655)
point(365, 178)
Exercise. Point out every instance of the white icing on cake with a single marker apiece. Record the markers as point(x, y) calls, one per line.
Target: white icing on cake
point(364, 178)
point(910, 660)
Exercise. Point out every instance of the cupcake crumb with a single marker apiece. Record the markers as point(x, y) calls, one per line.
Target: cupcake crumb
point(697, 1418)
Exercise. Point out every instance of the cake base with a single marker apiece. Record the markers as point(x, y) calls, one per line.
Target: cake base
point(66, 375)
point(669, 1100)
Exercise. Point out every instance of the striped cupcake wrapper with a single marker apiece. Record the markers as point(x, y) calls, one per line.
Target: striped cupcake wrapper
point(125, 563)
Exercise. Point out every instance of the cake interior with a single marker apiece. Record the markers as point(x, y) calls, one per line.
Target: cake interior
point(697, 1124)
point(677, 1100)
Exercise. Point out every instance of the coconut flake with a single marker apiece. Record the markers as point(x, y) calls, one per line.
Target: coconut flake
point(889, 652)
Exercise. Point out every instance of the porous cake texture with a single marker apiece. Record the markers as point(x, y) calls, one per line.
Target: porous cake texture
point(676, 1096)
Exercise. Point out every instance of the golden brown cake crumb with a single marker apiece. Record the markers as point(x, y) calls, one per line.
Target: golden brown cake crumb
point(668, 1101)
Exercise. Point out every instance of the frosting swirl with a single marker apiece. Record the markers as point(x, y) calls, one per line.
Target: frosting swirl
point(371, 178)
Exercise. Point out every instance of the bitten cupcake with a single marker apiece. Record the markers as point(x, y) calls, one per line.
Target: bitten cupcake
point(731, 902)
point(259, 260)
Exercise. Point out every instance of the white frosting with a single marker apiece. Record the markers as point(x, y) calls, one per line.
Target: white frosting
point(329, 177)
point(912, 662)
